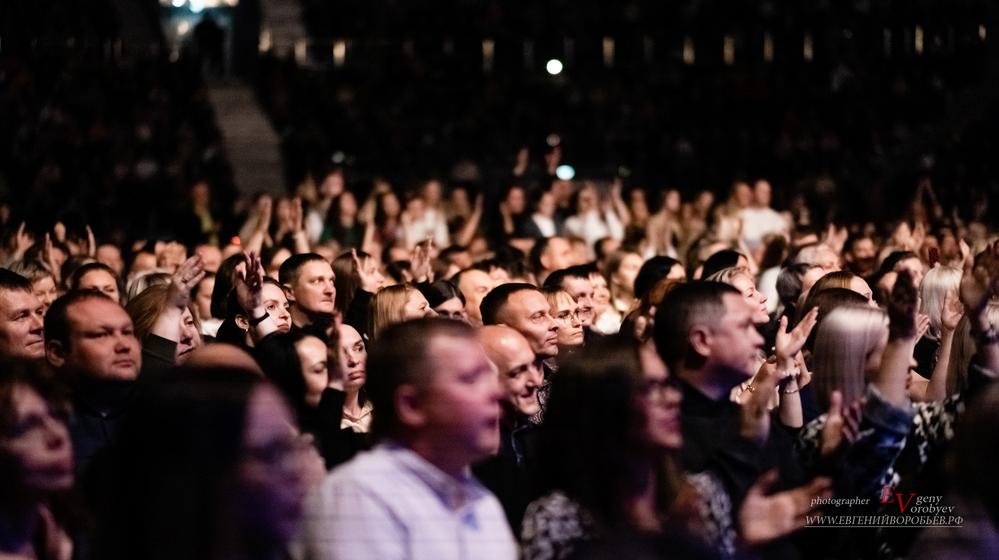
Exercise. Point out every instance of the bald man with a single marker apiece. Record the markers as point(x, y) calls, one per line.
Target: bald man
point(520, 378)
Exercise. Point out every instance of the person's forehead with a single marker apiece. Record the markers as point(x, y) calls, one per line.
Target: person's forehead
point(97, 275)
point(451, 353)
point(348, 335)
point(529, 300)
point(270, 291)
point(475, 278)
point(558, 244)
point(16, 299)
point(317, 268)
point(97, 312)
point(577, 284)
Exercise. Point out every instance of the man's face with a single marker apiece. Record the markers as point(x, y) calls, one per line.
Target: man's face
point(110, 255)
point(762, 193)
point(101, 343)
point(582, 290)
point(313, 290)
point(474, 285)
point(557, 255)
point(460, 405)
point(21, 332)
point(734, 341)
point(519, 375)
point(528, 313)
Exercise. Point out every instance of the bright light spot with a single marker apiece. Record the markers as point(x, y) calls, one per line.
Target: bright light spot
point(178, 3)
point(554, 67)
point(338, 157)
point(197, 6)
point(565, 172)
point(553, 140)
point(183, 27)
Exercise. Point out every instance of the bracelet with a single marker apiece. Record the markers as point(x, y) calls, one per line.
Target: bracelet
point(256, 321)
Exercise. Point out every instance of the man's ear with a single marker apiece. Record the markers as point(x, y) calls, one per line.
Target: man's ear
point(409, 407)
point(288, 293)
point(699, 338)
point(55, 354)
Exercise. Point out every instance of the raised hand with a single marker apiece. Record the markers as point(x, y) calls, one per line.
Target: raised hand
point(420, 262)
point(371, 281)
point(902, 305)
point(788, 344)
point(249, 285)
point(952, 311)
point(91, 243)
point(187, 276)
point(22, 242)
point(763, 517)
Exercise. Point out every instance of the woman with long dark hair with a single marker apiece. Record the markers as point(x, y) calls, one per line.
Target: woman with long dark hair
point(209, 465)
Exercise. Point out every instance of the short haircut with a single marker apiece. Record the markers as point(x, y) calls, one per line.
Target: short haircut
point(556, 279)
point(789, 283)
point(13, 282)
point(31, 270)
point(682, 308)
point(494, 302)
point(652, 271)
point(288, 273)
point(400, 356)
point(57, 316)
point(892, 260)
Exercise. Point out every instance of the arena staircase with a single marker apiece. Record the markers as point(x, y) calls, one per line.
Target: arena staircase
point(253, 147)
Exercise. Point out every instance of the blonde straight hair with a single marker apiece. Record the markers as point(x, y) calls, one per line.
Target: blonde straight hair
point(937, 282)
point(387, 308)
point(845, 339)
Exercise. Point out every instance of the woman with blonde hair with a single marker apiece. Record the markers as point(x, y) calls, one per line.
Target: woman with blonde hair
point(396, 304)
point(938, 301)
point(741, 279)
point(843, 279)
point(848, 346)
point(565, 311)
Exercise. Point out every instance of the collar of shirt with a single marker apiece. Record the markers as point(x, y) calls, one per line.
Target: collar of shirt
point(454, 493)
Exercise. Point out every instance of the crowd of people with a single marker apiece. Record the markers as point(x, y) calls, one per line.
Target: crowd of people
point(437, 346)
point(599, 373)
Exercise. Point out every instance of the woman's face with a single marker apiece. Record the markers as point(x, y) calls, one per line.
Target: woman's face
point(416, 306)
point(312, 355)
point(516, 201)
point(753, 297)
point(45, 290)
point(601, 295)
point(353, 358)
point(627, 271)
point(348, 204)
point(272, 472)
point(566, 314)
point(190, 338)
point(587, 200)
point(432, 193)
point(101, 281)
point(672, 202)
point(546, 205)
point(277, 305)
point(38, 445)
point(659, 402)
point(373, 275)
point(390, 205)
point(459, 200)
point(452, 309)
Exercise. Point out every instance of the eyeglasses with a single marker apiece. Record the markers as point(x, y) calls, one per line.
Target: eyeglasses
point(568, 316)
